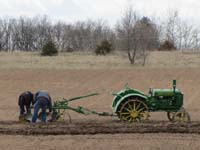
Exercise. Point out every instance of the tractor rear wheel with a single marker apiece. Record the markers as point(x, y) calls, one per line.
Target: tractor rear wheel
point(134, 110)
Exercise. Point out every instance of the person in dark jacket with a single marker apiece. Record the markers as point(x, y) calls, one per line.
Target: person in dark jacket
point(25, 100)
point(42, 101)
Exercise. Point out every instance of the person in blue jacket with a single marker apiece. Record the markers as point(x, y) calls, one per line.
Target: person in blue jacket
point(43, 102)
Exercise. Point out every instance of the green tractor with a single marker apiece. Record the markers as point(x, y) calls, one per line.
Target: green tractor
point(133, 105)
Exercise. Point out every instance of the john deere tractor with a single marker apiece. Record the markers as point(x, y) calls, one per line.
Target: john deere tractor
point(133, 105)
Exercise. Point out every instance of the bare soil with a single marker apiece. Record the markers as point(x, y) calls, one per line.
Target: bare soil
point(94, 127)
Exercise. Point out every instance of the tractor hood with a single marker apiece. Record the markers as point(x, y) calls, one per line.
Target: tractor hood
point(165, 92)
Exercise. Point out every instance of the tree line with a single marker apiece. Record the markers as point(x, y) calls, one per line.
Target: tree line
point(133, 33)
point(30, 34)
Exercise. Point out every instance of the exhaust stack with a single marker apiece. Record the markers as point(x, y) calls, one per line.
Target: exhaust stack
point(174, 85)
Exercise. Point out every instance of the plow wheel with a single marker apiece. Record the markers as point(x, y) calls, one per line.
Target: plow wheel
point(181, 116)
point(60, 116)
point(134, 110)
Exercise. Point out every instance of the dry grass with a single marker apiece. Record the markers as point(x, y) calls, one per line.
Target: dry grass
point(23, 60)
point(174, 59)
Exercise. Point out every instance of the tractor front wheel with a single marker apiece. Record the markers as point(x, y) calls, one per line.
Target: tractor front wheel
point(170, 115)
point(181, 116)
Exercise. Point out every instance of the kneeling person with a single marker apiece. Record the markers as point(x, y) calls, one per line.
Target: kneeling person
point(42, 101)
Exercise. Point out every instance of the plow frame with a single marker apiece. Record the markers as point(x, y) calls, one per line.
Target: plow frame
point(61, 106)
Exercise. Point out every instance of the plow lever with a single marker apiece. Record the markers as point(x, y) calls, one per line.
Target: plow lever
point(80, 97)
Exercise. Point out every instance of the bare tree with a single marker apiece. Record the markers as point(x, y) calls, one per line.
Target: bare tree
point(137, 35)
point(172, 26)
point(1, 35)
point(196, 39)
point(148, 37)
point(126, 33)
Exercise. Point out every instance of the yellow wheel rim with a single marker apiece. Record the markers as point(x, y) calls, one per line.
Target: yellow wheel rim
point(181, 116)
point(61, 116)
point(134, 110)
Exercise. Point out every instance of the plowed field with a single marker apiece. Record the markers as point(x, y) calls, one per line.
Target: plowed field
point(93, 127)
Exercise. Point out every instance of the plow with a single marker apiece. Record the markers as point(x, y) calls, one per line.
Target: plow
point(130, 105)
point(61, 107)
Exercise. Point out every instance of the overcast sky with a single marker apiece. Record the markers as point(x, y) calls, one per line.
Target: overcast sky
point(110, 10)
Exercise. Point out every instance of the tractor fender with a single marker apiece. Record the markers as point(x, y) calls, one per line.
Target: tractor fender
point(122, 99)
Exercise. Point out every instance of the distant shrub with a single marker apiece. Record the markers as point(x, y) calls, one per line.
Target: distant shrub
point(69, 49)
point(104, 48)
point(167, 46)
point(49, 49)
